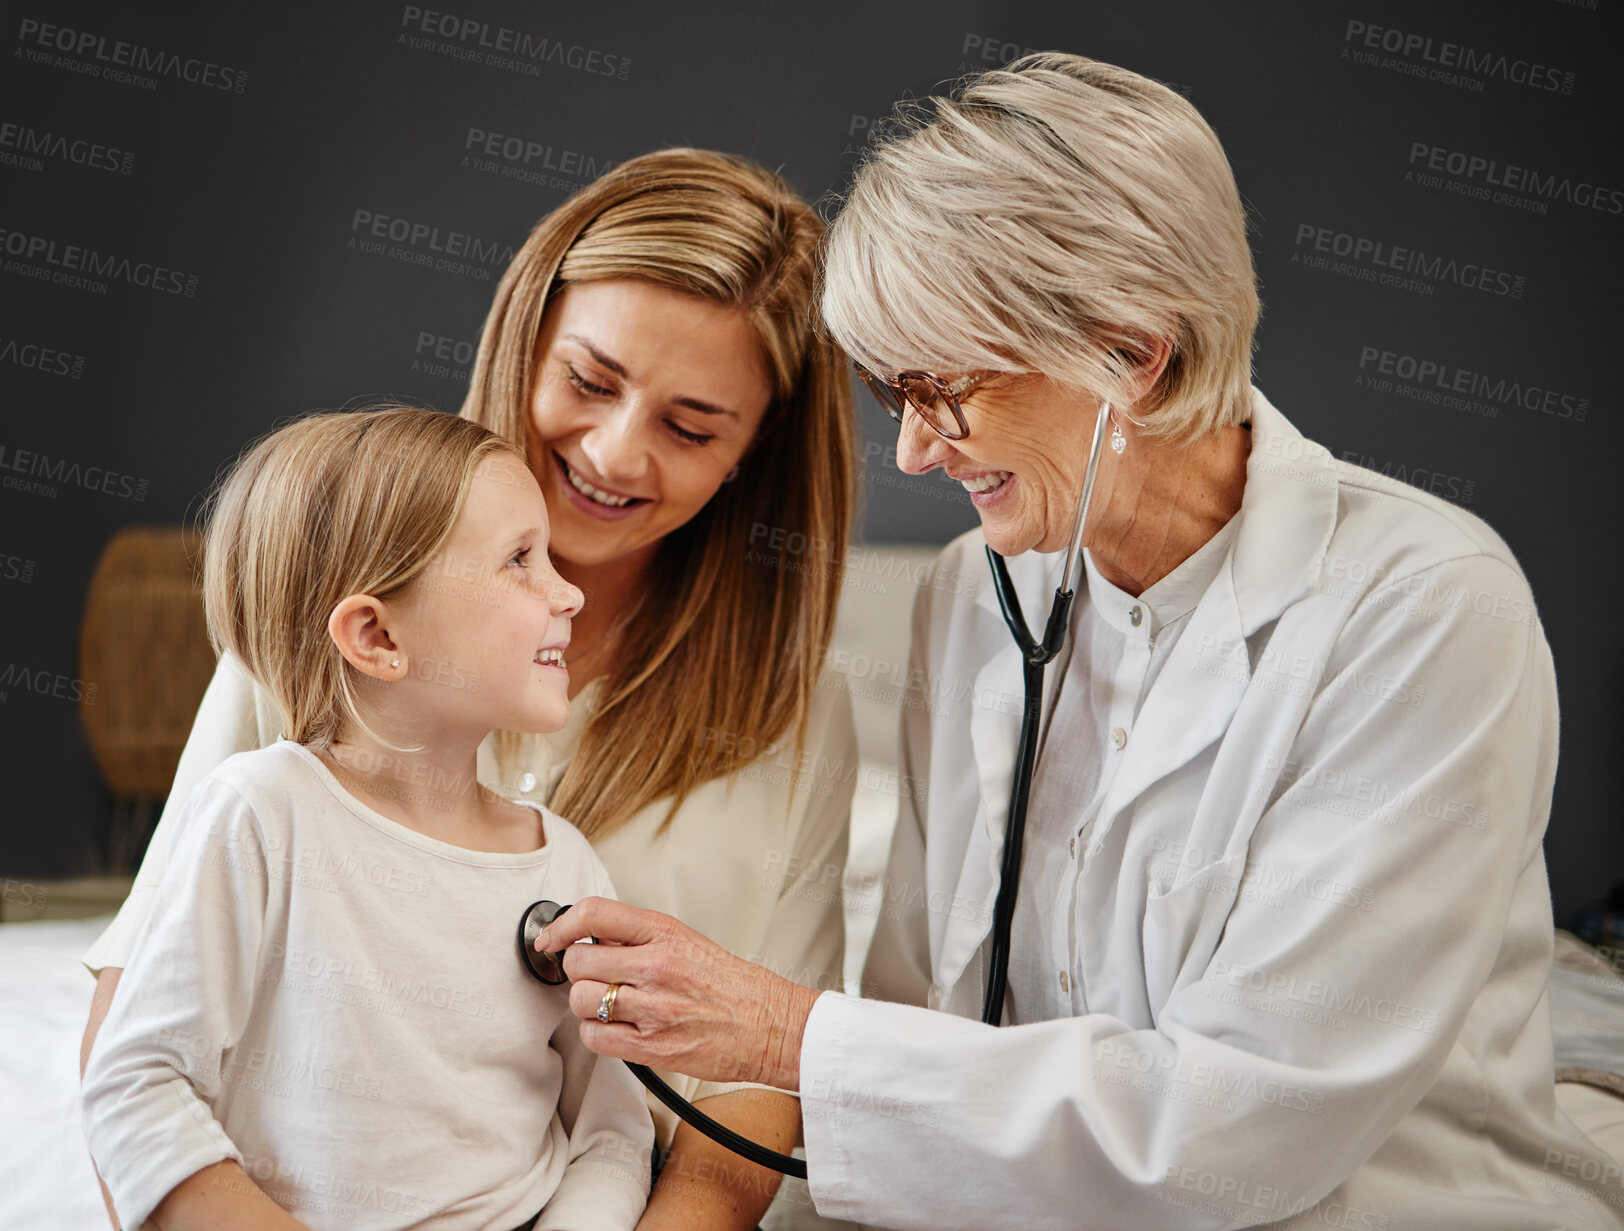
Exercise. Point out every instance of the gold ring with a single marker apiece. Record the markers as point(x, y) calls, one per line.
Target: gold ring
point(606, 1006)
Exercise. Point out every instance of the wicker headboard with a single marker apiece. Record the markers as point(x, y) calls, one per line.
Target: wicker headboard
point(144, 647)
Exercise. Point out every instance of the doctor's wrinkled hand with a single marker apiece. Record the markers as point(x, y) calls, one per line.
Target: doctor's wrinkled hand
point(654, 991)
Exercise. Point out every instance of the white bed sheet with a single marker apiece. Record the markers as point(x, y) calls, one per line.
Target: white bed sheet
point(46, 1180)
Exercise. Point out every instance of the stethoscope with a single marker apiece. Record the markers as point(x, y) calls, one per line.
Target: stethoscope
point(1036, 655)
point(549, 968)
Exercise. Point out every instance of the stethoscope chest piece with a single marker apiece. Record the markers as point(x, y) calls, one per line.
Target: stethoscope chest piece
point(548, 967)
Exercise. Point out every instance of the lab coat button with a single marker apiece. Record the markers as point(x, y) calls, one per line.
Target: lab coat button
point(1119, 738)
point(1065, 982)
point(933, 998)
point(527, 783)
point(1136, 613)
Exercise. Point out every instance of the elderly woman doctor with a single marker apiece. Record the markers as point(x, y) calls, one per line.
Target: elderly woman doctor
point(1280, 943)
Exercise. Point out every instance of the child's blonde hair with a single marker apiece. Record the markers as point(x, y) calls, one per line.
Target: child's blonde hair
point(328, 506)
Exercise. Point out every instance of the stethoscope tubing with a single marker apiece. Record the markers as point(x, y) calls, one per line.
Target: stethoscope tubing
point(1035, 656)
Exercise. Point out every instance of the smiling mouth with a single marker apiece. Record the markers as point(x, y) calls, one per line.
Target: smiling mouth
point(596, 494)
point(985, 482)
point(549, 658)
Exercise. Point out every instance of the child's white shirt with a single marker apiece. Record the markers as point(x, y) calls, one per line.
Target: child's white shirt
point(337, 1002)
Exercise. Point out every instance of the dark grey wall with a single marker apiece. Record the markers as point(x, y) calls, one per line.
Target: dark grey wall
point(247, 168)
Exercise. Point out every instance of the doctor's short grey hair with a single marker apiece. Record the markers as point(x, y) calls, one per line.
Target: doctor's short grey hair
point(1052, 217)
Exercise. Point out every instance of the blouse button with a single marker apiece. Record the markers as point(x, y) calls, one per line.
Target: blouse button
point(1065, 982)
point(1135, 614)
point(1119, 738)
point(527, 783)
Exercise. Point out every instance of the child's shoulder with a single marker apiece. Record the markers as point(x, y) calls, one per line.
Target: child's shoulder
point(268, 780)
point(273, 764)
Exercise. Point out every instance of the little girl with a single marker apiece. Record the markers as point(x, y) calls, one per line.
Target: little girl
point(326, 1022)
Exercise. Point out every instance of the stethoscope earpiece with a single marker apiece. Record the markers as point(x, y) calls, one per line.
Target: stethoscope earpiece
point(548, 967)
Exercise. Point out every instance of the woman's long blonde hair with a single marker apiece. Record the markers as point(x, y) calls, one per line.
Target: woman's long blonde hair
point(719, 656)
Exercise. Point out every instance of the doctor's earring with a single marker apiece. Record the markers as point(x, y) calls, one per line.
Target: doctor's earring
point(1119, 442)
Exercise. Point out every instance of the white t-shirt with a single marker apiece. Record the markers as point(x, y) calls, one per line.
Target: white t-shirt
point(337, 1002)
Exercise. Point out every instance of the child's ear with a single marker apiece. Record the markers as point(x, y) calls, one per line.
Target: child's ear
point(359, 627)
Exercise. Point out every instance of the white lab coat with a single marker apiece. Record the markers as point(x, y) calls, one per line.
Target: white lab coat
point(1313, 928)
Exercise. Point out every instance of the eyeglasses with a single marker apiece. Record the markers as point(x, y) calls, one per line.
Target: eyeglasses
point(932, 398)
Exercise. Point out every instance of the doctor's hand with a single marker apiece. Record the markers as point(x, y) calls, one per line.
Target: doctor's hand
point(684, 1003)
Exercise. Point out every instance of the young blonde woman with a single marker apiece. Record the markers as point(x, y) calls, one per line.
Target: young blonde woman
point(653, 350)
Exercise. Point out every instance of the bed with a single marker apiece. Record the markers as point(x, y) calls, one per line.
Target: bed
point(46, 1180)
